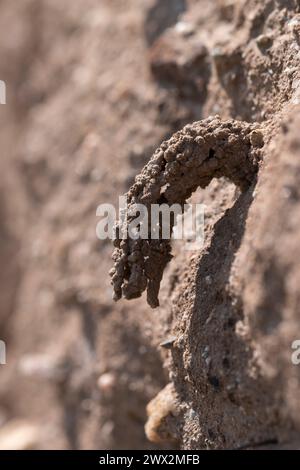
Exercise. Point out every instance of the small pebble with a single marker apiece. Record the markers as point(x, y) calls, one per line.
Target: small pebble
point(184, 28)
point(106, 382)
point(257, 138)
point(264, 41)
point(168, 343)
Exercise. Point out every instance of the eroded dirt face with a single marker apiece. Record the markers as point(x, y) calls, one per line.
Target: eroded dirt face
point(95, 87)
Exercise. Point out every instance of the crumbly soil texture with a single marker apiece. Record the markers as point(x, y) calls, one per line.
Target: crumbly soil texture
point(167, 101)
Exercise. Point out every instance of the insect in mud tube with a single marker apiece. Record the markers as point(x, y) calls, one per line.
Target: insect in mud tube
point(201, 151)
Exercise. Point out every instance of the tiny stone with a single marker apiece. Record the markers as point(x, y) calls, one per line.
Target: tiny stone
point(256, 138)
point(106, 382)
point(264, 40)
point(184, 28)
point(168, 343)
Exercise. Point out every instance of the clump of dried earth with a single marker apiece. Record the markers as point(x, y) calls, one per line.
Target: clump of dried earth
point(93, 89)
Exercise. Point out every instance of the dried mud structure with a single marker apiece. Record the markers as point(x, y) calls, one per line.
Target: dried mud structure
point(190, 159)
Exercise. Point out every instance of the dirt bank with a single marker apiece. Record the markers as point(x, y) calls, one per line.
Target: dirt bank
point(94, 88)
